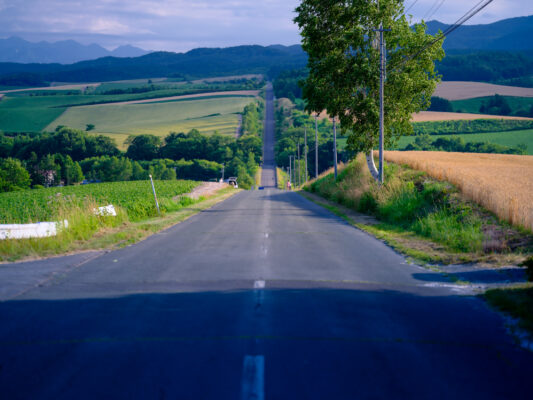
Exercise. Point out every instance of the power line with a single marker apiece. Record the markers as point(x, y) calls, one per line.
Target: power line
point(436, 9)
point(431, 9)
point(411, 6)
point(469, 14)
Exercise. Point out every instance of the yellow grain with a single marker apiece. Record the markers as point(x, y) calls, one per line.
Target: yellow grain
point(501, 183)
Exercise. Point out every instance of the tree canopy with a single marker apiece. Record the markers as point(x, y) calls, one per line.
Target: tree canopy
point(340, 40)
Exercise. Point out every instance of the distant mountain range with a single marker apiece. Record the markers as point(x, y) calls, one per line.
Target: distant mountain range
point(197, 63)
point(513, 34)
point(18, 50)
point(493, 52)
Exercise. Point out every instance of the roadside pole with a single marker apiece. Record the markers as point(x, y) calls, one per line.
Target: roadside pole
point(335, 147)
point(223, 165)
point(155, 196)
point(316, 147)
point(299, 168)
point(305, 152)
point(290, 172)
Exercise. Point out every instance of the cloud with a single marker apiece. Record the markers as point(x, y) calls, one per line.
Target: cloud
point(179, 25)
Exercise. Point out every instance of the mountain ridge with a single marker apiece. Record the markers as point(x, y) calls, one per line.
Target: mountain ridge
point(17, 50)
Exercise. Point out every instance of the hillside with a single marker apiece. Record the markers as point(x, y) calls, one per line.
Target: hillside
point(512, 34)
point(203, 62)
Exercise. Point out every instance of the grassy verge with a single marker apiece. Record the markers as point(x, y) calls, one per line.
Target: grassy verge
point(282, 178)
point(422, 218)
point(516, 301)
point(90, 232)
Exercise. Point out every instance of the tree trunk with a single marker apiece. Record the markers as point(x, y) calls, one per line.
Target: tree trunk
point(371, 165)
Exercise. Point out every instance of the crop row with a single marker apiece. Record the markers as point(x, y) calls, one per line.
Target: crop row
point(135, 197)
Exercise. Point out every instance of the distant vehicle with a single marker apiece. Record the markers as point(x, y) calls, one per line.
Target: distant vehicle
point(233, 181)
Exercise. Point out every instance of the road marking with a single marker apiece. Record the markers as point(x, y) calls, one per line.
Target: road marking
point(259, 284)
point(253, 379)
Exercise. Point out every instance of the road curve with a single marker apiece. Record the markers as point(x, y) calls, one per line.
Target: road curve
point(264, 296)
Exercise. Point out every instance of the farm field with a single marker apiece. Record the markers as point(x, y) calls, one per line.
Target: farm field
point(501, 183)
point(34, 109)
point(135, 197)
point(511, 138)
point(453, 90)
point(473, 105)
point(206, 115)
point(424, 116)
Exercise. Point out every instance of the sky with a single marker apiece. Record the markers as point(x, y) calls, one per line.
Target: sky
point(180, 25)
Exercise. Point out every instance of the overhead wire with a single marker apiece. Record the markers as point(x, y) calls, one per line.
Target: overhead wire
point(436, 9)
point(469, 14)
point(411, 6)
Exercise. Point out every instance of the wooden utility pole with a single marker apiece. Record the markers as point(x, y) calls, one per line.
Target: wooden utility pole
point(316, 147)
point(305, 152)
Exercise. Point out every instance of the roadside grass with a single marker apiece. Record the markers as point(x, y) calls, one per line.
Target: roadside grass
point(510, 138)
point(159, 118)
point(422, 218)
point(516, 301)
point(87, 231)
point(257, 177)
point(282, 178)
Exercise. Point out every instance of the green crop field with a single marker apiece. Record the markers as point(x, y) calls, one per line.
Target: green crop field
point(473, 105)
point(206, 115)
point(135, 197)
point(511, 138)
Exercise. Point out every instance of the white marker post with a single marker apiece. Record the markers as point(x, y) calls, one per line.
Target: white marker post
point(155, 196)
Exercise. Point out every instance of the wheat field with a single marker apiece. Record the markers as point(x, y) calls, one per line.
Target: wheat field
point(501, 183)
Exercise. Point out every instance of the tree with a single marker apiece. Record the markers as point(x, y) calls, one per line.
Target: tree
point(144, 147)
point(89, 127)
point(340, 40)
point(13, 176)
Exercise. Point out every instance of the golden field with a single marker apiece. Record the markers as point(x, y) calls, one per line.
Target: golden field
point(501, 183)
point(453, 90)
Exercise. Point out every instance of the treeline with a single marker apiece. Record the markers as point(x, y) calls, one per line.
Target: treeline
point(68, 156)
point(470, 126)
point(287, 83)
point(485, 66)
point(425, 142)
point(291, 125)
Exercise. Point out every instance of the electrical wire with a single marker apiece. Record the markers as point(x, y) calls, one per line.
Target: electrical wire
point(469, 14)
point(436, 9)
point(411, 6)
point(435, 4)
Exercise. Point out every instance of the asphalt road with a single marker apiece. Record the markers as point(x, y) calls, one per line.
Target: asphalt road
point(264, 296)
point(268, 174)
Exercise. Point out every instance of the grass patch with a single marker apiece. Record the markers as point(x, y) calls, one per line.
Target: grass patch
point(473, 105)
point(510, 138)
point(516, 301)
point(423, 218)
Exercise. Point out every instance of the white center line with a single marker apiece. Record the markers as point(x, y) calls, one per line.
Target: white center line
point(253, 378)
point(259, 284)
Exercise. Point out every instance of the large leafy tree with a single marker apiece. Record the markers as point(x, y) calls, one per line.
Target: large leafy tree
point(340, 39)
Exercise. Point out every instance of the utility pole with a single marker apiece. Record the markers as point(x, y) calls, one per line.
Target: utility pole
point(223, 172)
point(316, 147)
point(290, 172)
point(335, 148)
point(305, 151)
point(382, 57)
point(299, 169)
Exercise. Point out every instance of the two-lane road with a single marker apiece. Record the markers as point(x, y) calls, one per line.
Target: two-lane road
point(264, 296)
